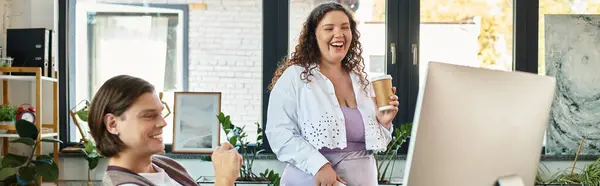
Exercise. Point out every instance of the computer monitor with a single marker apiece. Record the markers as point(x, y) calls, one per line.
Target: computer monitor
point(473, 126)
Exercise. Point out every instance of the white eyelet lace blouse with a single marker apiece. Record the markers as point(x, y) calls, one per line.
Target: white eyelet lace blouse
point(303, 117)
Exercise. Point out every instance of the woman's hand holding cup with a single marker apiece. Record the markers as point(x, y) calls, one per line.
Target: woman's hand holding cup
point(385, 99)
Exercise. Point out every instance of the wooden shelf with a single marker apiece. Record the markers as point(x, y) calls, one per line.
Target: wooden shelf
point(26, 78)
point(44, 135)
point(12, 127)
point(40, 86)
point(7, 127)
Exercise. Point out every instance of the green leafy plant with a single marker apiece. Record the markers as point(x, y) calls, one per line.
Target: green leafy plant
point(273, 177)
point(237, 137)
point(6, 62)
point(8, 112)
point(83, 114)
point(541, 172)
point(387, 158)
point(29, 168)
point(89, 145)
point(588, 176)
point(92, 156)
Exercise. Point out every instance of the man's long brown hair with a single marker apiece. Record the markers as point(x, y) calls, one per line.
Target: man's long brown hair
point(307, 51)
point(115, 96)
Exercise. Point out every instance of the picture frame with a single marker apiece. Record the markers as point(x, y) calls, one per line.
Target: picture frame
point(196, 128)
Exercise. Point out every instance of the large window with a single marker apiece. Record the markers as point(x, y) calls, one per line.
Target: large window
point(474, 33)
point(195, 47)
point(141, 41)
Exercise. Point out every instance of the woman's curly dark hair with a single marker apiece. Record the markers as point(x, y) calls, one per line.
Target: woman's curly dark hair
point(307, 51)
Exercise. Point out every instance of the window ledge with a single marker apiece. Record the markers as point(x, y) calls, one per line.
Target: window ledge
point(569, 157)
point(271, 156)
point(206, 157)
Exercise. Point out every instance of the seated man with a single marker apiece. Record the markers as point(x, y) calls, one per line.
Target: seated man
point(126, 122)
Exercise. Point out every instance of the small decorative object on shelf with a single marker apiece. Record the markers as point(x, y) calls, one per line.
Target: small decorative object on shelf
point(6, 62)
point(8, 115)
point(79, 116)
point(167, 109)
point(82, 113)
point(26, 112)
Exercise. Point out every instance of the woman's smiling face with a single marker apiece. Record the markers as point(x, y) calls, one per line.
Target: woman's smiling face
point(334, 36)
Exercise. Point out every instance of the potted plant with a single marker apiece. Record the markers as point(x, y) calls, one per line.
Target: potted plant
point(89, 145)
point(590, 175)
point(27, 169)
point(92, 156)
point(384, 159)
point(237, 137)
point(273, 177)
point(8, 113)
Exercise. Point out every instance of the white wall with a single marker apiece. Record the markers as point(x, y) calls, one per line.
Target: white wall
point(32, 13)
point(29, 14)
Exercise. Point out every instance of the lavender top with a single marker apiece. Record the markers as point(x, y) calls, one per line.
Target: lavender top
point(355, 132)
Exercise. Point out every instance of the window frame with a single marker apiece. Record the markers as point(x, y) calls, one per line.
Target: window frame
point(275, 46)
point(67, 62)
point(526, 43)
point(525, 47)
point(526, 31)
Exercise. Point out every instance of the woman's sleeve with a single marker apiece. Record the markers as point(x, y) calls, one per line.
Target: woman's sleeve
point(282, 129)
point(386, 134)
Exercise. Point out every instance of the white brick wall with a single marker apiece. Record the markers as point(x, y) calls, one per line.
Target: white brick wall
point(28, 14)
point(5, 9)
point(299, 10)
point(225, 55)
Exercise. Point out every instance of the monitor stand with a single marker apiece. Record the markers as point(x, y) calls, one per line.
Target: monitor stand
point(510, 180)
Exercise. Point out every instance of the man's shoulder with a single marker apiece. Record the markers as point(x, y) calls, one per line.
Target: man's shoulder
point(122, 178)
point(162, 159)
point(173, 168)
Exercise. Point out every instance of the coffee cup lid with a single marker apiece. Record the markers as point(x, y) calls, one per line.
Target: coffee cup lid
point(380, 77)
